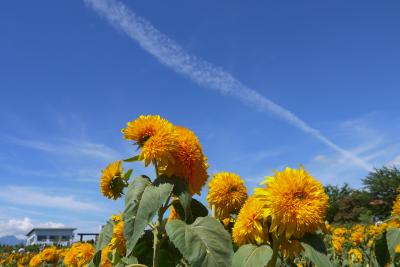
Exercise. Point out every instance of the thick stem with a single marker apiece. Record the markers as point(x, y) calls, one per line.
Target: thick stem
point(156, 246)
point(275, 247)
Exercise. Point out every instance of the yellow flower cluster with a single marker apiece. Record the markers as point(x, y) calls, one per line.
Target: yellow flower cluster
point(291, 204)
point(80, 254)
point(174, 150)
point(111, 182)
point(227, 193)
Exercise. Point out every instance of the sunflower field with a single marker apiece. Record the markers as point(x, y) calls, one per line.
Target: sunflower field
point(282, 223)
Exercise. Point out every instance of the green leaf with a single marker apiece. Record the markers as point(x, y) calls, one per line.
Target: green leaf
point(105, 235)
point(252, 256)
point(381, 250)
point(97, 258)
point(151, 200)
point(393, 240)
point(315, 250)
point(132, 159)
point(129, 260)
point(132, 199)
point(180, 190)
point(127, 175)
point(198, 209)
point(203, 243)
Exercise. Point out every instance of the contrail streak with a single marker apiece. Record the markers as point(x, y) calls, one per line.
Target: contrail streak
point(204, 73)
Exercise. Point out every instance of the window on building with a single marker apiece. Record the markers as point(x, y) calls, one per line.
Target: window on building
point(64, 238)
point(54, 238)
point(41, 238)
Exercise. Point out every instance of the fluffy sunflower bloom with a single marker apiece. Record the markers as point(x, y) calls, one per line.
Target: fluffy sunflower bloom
point(396, 206)
point(227, 193)
point(295, 201)
point(155, 136)
point(50, 255)
point(337, 243)
point(250, 226)
point(355, 255)
point(80, 254)
point(105, 260)
point(117, 241)
point(189, 161)
point(111, 182)
point(36, 261)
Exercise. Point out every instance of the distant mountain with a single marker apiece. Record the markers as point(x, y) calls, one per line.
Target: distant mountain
point(10, 240)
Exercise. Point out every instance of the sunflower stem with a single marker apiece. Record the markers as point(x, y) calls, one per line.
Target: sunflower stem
point(275, 247)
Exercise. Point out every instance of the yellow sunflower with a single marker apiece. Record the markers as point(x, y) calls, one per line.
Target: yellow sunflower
point(50, 255)
point(189, 161)
point(355, 255)
point(111, 182)
point(36, 261)
point(396, 206)
point(250, 226)
point(155, 136)
point(80, 254)
point(295, 201)
point(105, 261)
point(227, 193)
point(117, 241)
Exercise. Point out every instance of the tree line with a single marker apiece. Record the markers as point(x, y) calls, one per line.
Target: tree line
point(368, 204)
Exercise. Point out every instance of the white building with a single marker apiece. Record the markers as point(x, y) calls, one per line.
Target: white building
point(50, 236)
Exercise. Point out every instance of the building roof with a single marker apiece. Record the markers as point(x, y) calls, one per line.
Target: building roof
point(58, 228)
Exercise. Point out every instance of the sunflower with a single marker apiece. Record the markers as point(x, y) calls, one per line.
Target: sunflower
point(250, 226)
point(80, 254)
point(396, 206)
point(105, 260)
point(355, 255)
point(295, 201)
point(189, 162)
point(227, 193)
point(173, 214)
point(111, 182)
point(154, 135)
point(50, 255)
point(36, 261)
point(117, 241)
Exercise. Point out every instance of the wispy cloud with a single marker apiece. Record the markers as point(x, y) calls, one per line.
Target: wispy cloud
point(76, 148)
point(204, 73)
point(28, 196)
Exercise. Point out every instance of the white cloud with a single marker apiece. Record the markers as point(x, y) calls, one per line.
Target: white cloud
point(32, 197)
point(20, 227)
point(204, 73)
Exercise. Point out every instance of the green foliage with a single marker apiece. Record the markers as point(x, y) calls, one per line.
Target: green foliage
point(203, 243)
point(252, 256)
point(393, 239)
point(105, 235)
point(140, 212)
point(315, 250)
point(382, 185)
point(381, 250)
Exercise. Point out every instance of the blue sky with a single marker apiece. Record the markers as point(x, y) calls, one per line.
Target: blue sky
point(70, 80)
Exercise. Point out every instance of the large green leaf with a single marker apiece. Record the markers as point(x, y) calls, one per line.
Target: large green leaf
point(203, 243)
point(393, 240)
point(132, 200)
point(105, 235)
point(252, 256)
point(381, 250)
point(181, 191)
point(315, 250)
point(152, 199)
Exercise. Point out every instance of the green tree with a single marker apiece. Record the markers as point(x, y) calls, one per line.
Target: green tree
point(382, 185)
point(335, 193)
point(352, 206)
